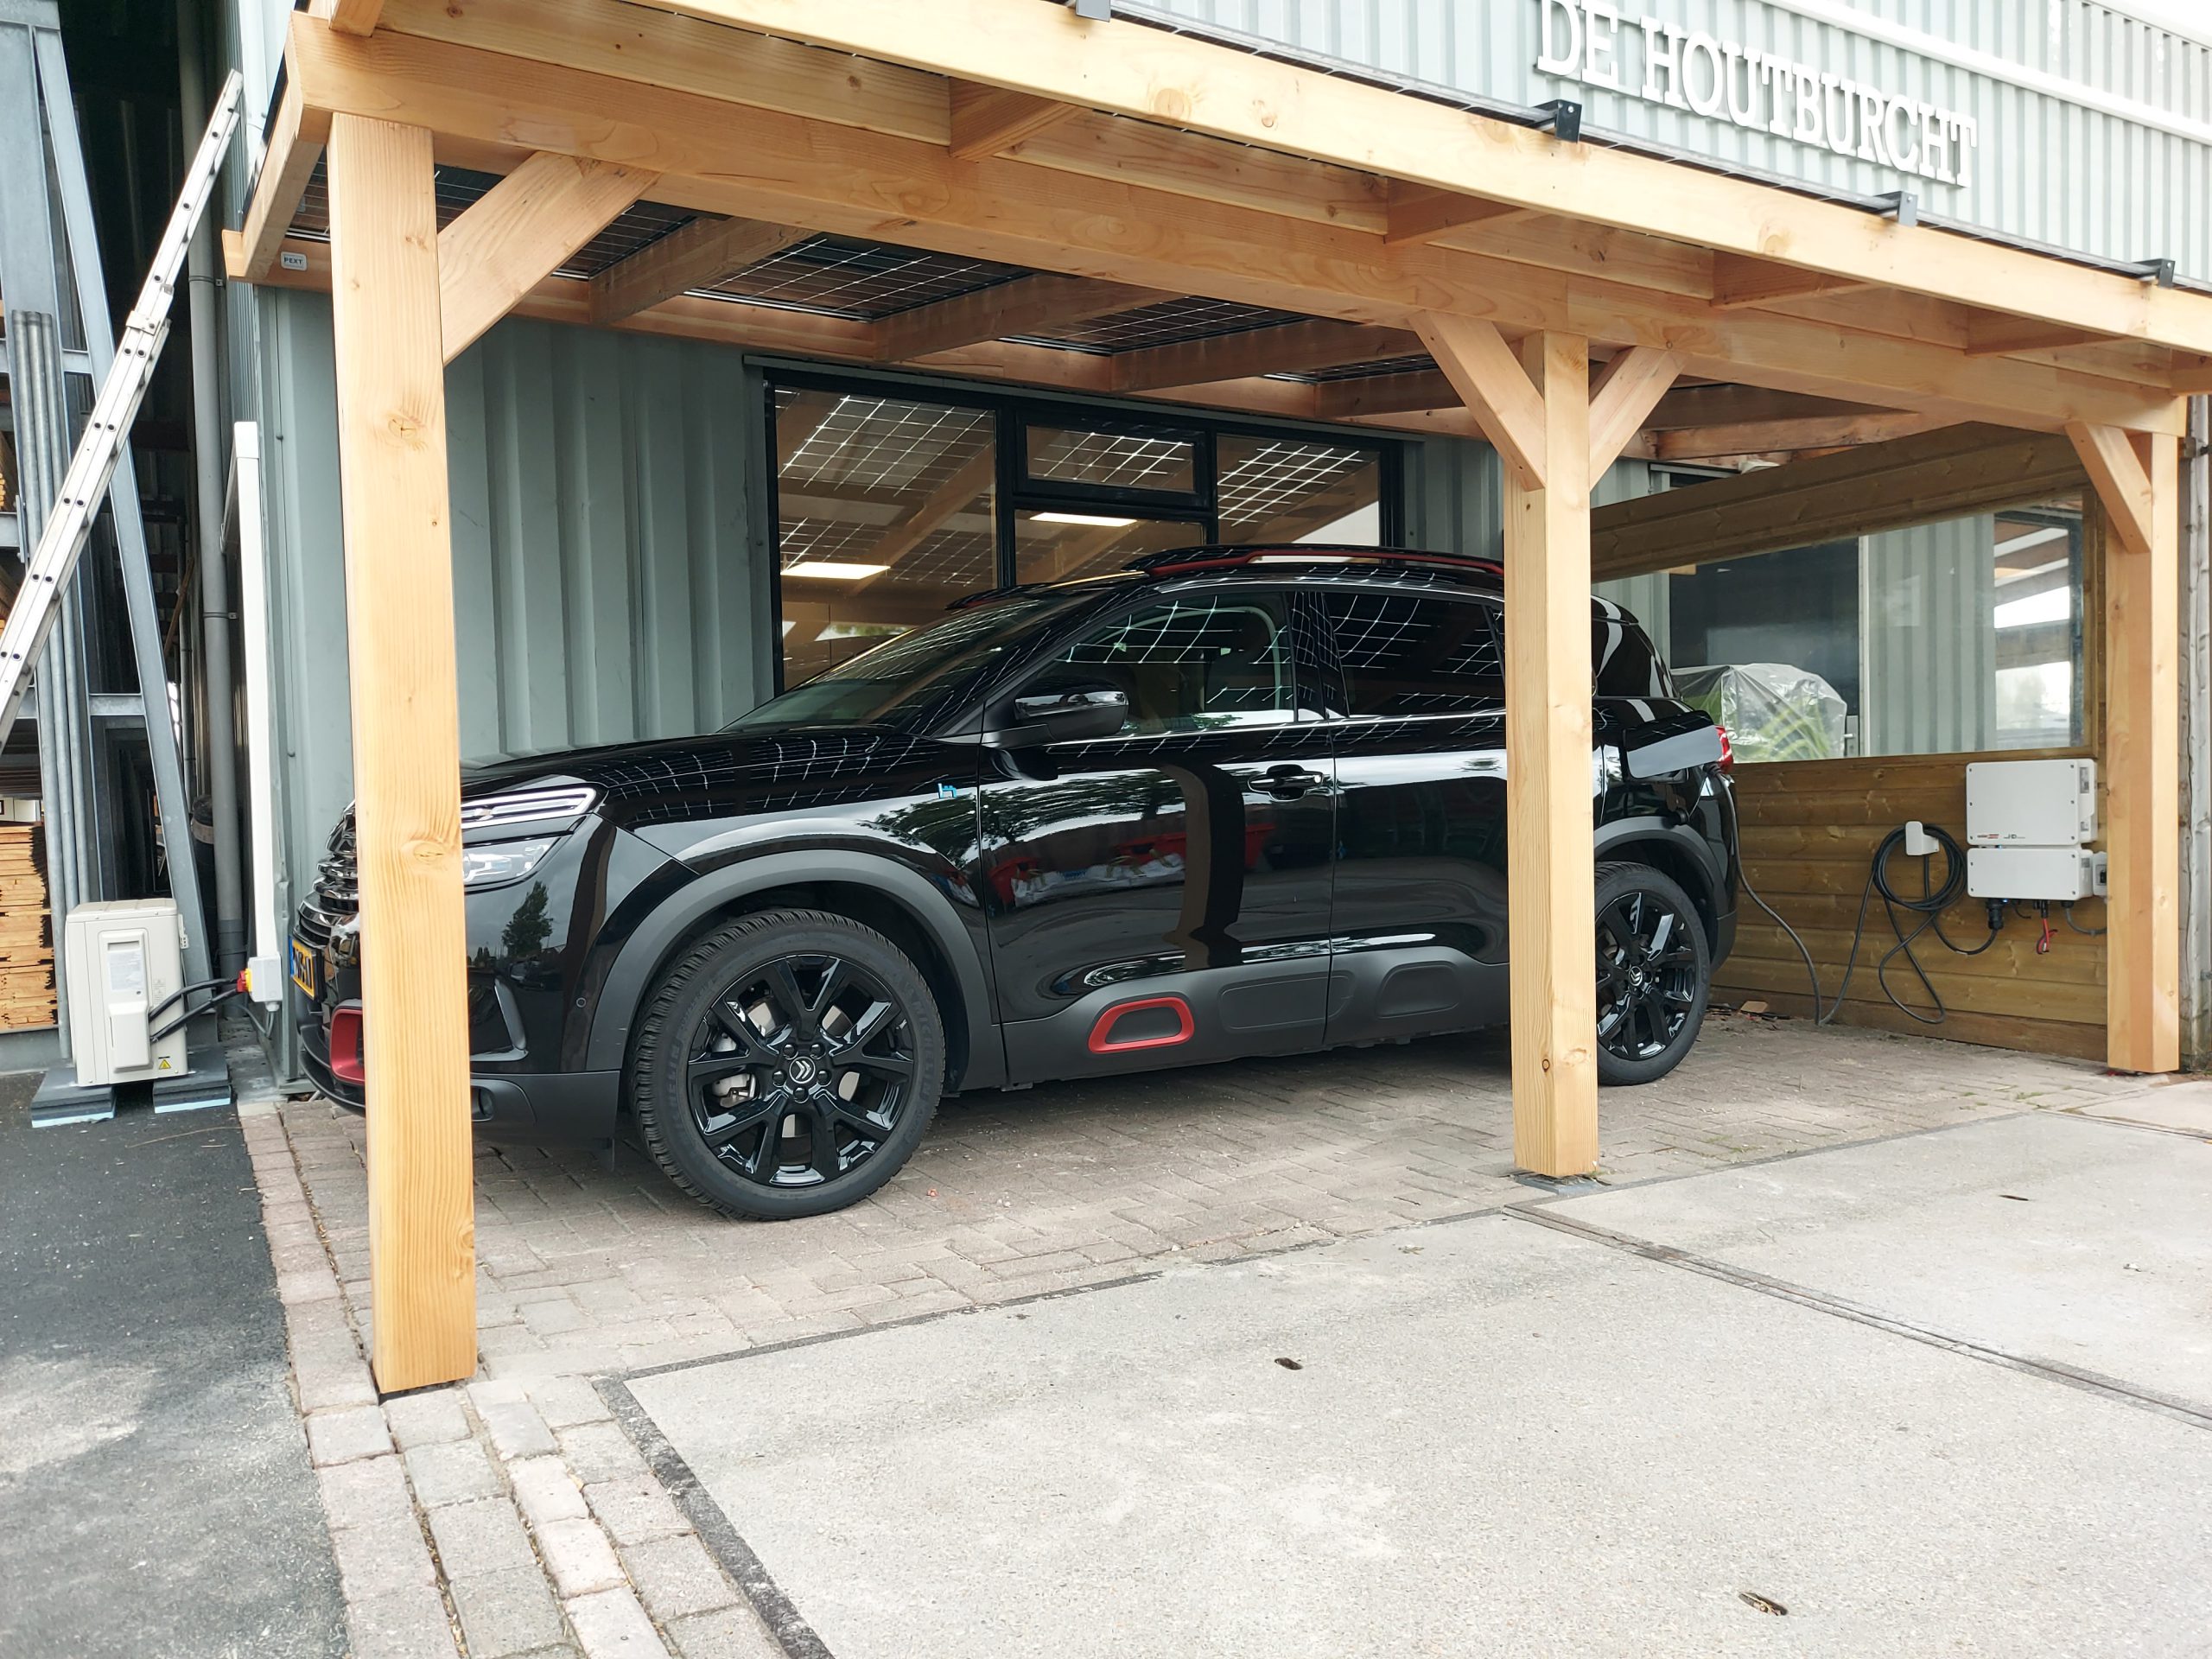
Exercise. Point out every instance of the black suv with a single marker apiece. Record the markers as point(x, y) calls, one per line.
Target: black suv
point(1232, 801)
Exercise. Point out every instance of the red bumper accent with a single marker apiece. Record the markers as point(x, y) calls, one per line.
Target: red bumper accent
point(1102, 1034)
point(344, 1034)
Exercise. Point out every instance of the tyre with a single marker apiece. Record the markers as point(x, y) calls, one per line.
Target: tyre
point(787, 1064)
point(1655, 973)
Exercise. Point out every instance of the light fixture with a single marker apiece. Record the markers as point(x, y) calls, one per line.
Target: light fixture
point(835, 569)
point(1099, 520)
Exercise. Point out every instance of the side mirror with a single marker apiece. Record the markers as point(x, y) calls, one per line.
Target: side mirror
point(1071, 714)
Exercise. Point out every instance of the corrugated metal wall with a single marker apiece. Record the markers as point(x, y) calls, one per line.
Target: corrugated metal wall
point(1928, 682)
point(605, 586)
point(2052, 167)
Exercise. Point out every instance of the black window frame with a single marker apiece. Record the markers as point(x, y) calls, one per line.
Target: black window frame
point(1014, 493)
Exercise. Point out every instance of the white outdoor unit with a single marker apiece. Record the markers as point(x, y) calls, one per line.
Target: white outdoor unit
point(123, 960)
point(2029, 824)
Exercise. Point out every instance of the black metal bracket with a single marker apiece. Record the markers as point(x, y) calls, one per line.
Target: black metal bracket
point(2158, 271)
point(1562, 119)
point(1903, 206)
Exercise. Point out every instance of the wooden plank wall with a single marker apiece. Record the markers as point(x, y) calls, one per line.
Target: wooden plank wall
point(26, 936)
point(1810, 832)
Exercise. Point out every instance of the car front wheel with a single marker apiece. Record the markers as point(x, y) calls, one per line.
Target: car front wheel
point(1655, 973)
point(787, 1064)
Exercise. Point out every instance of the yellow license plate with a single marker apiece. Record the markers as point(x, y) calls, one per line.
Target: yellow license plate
point(303, 967)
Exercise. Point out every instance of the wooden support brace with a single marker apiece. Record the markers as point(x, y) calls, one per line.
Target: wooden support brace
point(1626, 393)
point(1549, 848)
point(696, 255)
point(390, 361)
point(349, 16)
point(1418, 213)
point(2121, 474)
point(988, 120)
point(518, 233)
point(1491, 381)
point(2142, 767)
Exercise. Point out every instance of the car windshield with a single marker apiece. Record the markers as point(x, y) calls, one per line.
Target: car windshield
point(906, 683)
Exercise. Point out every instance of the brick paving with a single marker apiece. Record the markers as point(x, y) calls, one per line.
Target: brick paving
point(515, 1516)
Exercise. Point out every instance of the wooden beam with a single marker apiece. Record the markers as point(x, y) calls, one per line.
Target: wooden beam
point(989, 119)
point(1421, 212)
point(399, 631)
point(2117, 467)
point(2141, 767)
point(697, 255)
point(294, 144)
point(1552, 955)
point(1738, 281)
point(1027, 306)
point(1286, 349)
point(518, 232)
point(1738, 405)
point(1496, 390)
point(1380, 395)
point(1134, 70)
point(1916, 481)
point(1775, 437)
point(734, 156)
point(1627, 392)
point(350, 16)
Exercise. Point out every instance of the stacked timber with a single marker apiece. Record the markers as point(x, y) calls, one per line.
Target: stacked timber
point(26, 929)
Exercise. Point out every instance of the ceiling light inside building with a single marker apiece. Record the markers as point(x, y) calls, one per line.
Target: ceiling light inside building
point(1098, 519)
point(835, 569)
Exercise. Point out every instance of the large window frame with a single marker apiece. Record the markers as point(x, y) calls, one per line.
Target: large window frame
point(1015, 492)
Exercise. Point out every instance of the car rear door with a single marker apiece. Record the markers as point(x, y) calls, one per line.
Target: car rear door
point(1162, 895)
point(1417, 729)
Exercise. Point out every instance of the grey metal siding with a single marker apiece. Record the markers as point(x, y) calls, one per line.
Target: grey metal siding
point(2051, 168)
point(1928, 684)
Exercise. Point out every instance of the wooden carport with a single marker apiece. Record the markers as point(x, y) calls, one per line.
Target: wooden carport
point(1119, 162)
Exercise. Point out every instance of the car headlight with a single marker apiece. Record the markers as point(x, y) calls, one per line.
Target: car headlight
point(500, 862)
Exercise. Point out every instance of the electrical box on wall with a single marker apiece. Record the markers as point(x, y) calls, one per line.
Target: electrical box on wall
point(2028, 824)
point(123, 960)
point(2031, 803)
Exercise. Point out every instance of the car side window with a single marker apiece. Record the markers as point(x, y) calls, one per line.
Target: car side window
point(1191, 665)
point(1406, 654)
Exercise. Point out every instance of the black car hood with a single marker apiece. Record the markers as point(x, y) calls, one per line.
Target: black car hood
point(725, 773)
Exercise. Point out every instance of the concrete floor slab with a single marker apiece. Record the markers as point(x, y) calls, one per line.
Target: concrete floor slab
point(2077, 1242)
point(2183, 1106)
point(1497, 1440)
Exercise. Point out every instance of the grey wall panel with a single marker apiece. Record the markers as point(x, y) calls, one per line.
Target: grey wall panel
point(1929, 685)
point(2096, 127)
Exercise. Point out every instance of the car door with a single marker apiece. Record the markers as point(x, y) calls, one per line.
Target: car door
point(1161, 896)
point(1417, 729)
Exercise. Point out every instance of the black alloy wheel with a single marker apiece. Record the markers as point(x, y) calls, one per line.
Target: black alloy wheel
point(788, 1064)
point(1654, 972)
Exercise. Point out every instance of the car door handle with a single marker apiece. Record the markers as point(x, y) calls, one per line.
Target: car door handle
point(1288, 783)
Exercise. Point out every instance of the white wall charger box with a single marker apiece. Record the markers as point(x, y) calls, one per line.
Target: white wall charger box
point(2031, 803)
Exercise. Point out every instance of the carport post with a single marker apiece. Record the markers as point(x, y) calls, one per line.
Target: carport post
point(399, 630)
point(1535, 409)
point(2137, 479)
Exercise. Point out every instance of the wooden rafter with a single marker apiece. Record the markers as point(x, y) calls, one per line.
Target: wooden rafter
point(1995, 335)
point(1738, 405)
point(1783, 436)
point(737, 157)
point(1133, 70)
point(1738, 281)
point(987, 120)
point(504, 244)
point(1483, 370)
point(1028, 305)
point(295, 141)
point(696, 255)
point(1286, 348)
point(1625, 393)
point(1421, 213)
point(908, 531)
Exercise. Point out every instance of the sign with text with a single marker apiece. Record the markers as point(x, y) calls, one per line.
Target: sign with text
point(1594, 42)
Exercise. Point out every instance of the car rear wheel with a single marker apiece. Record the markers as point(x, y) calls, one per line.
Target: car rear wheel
point(787, 1064)
point(1655, 973)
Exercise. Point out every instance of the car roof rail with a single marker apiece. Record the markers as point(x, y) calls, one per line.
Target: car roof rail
point(969, 601)
point(1182, 560)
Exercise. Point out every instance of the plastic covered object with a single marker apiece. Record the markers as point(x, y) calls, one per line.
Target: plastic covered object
point(1772, 711)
